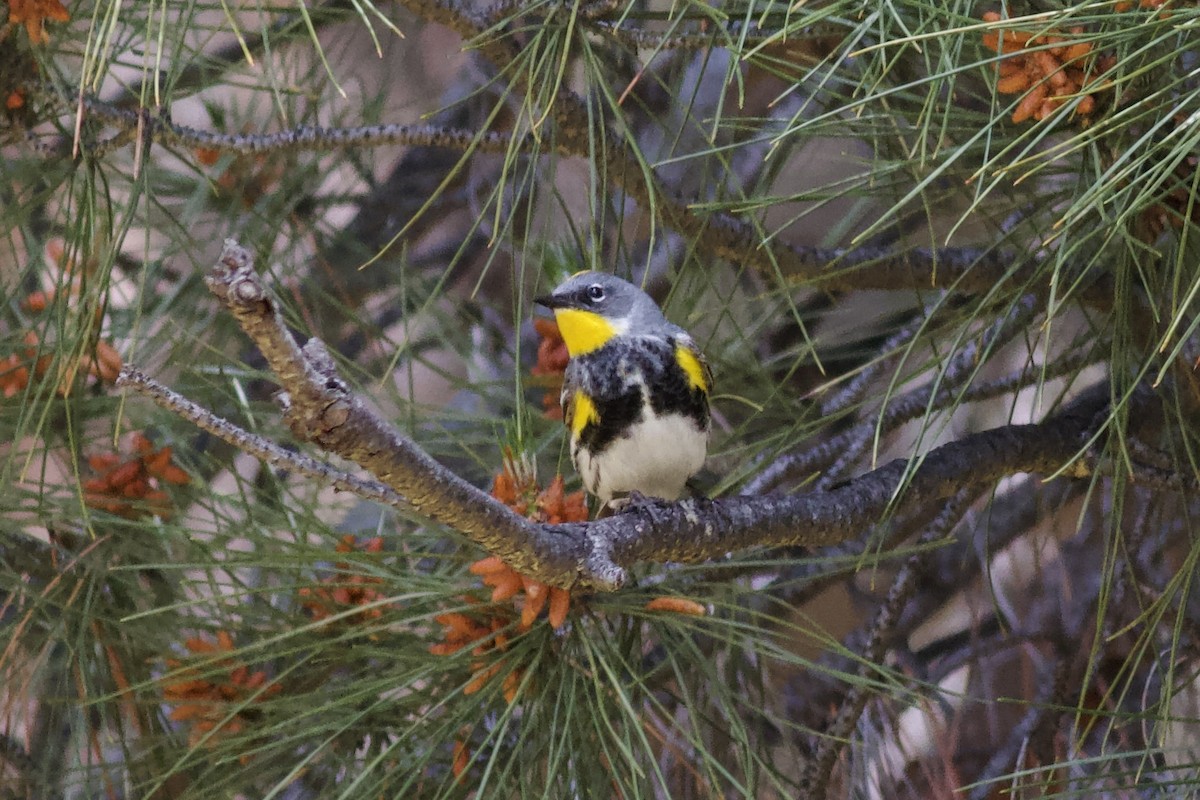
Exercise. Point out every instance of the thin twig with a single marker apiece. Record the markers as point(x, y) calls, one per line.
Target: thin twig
point(926, 399)
point(857, 387)
point(1028, 735)
point(259, 447)
point(942, 390)
point(960, 269)
point(305, 137)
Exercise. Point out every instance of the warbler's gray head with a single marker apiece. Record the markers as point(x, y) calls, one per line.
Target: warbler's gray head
point(592, 307)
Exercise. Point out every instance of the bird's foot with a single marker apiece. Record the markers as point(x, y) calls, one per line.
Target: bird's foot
point(630, 502)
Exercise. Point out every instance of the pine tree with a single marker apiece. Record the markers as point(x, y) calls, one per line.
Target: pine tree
point(941, 259)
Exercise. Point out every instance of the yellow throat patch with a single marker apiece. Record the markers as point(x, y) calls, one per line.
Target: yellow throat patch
point(583, 331)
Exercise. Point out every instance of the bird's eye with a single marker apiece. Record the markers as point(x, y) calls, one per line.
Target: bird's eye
point(595, 293)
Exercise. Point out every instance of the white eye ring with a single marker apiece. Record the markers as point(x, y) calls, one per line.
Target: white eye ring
point(595, 293)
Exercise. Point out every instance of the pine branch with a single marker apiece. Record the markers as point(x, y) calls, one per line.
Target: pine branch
point(966, 270)
point(257, 446)
point(726, 236)
point(320, 408)
point(304, 138)
point(836, 453)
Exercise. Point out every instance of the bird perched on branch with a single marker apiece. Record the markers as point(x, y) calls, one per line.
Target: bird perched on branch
point(635, 393)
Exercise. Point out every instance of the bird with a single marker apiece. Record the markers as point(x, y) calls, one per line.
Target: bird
point(635, 394)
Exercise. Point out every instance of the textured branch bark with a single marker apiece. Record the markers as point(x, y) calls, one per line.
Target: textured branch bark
point(257, 446)
point(303, 138)
point(320, 408)
point(695, 530)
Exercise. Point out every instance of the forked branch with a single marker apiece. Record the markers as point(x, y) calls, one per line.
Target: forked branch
point(321, 408)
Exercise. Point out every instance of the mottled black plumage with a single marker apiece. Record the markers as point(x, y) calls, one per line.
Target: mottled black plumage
point(606, 375)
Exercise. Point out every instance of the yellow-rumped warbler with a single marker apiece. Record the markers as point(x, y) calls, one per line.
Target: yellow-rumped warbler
point(635, 393)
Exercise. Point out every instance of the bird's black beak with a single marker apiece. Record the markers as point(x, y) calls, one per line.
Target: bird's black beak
point(550, 301)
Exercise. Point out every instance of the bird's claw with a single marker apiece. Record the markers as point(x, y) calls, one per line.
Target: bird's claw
point(629, 503)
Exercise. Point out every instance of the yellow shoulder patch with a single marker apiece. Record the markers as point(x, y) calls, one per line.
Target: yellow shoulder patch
point(583, 411)
point(583, 331)
point(697, 374)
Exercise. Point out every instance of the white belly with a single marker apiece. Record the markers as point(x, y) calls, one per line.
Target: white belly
point(655, 457)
